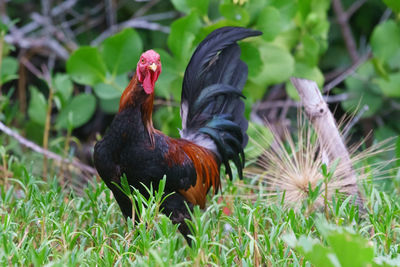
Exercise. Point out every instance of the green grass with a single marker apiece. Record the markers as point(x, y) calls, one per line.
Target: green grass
point(43, 224)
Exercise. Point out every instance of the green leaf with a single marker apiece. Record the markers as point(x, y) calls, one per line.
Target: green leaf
point(320, 7)
point(37, 106)
point(183, 33)
point(254, 8)
point(287, 10)
point(168, 120)
point(351, 249)
point(181, 5)
point(201, 6)
point(9, 67)
point(380, 67)
point(80, 109)
point(385, 132)
point(345, 249)
point(164, 85)
point(308, 51)
point(312, 250)
point(85, 66)
point(34, 131)
point(176, 88)
point(111, 89)
point(63, 86)
point(121, 51)
point(398, 152)
point(269, 22)
point(171, 71)
point(394, 60)
point(317, 254)
point(251, 55)
point(235, 13)
point(317, 26)
point(390, 87)
point(186, 6)
point(289, 39)
point(106, 91)
point(3, 28)
point(304, 8)
point(277, 65)
point(109, 105)
point(393, 4)
point(362, 93)
point(385, 40)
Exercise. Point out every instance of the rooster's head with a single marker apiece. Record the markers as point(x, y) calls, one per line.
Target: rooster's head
point(148, 69)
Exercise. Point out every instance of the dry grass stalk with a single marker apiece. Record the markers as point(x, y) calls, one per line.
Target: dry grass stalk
point(287, 168)
point(332, 144)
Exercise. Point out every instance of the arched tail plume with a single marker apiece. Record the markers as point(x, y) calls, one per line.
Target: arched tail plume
point(212, 108)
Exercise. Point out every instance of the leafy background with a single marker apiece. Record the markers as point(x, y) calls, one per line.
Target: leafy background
point(301, 38)
point(64, 65)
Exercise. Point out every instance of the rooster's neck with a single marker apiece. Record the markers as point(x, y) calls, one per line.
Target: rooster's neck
point(134, 96)
point(147, 118)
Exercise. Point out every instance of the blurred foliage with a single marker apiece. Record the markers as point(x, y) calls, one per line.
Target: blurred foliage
point(300, 38)
point(346, 248)
point(295, 36)
point(105, 68)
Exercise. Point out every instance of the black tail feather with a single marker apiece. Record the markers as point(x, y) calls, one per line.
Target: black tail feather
point(212, 105)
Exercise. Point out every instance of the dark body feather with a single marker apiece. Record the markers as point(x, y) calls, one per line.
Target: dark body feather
point(130, 141)
point(213, 131)
point(126, 149)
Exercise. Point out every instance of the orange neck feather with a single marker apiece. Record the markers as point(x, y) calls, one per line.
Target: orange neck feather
point(130, 97)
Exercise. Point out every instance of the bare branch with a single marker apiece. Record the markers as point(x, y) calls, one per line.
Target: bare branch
point(31, 68)
point(354, 67)
point(346, 31)
point(63, 7)
point(294, 104)
point(90, 25)
point(45, 7)
point(160, 16)
point(55, 12)
point(133, 23)
point(142, 24)
point(348, 72)
point(385, 15)
point(354, 7)
point(276, 104)
point(336, 98)
point(143, 10)
point(16, 37)
point(111, 17)
point(395, 104)
point(25, 142)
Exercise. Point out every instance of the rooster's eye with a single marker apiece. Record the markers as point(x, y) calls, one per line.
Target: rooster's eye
point(143, 61)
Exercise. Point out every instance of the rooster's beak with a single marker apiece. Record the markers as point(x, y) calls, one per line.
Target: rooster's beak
point(153, 67)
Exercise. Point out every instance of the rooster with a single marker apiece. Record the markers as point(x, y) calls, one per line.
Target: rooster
point(213, 129)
